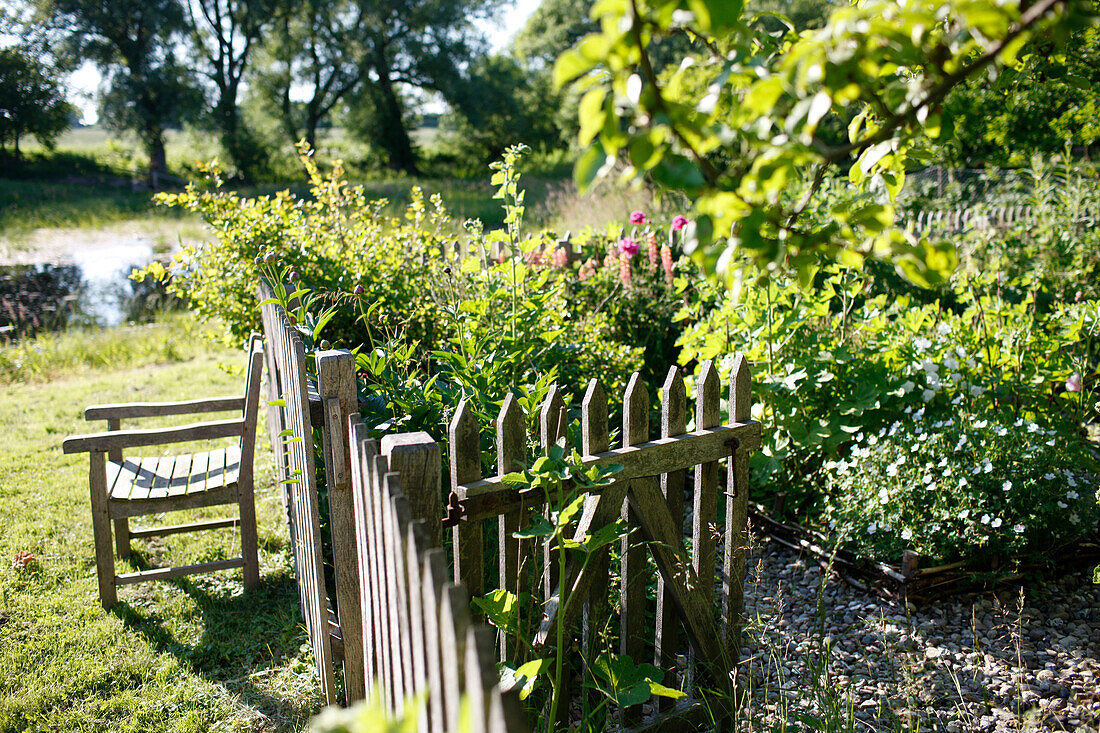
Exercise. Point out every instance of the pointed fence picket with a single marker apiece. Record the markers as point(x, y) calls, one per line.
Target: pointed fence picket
point(697, 618)
point(421, 647)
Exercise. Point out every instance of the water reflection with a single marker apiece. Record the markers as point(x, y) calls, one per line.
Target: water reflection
point(96, 290)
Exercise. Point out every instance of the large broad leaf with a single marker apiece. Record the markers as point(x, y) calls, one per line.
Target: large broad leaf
point(626, 683)
point(499, 608)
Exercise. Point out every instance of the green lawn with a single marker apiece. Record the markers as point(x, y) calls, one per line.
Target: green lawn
point(193, 654)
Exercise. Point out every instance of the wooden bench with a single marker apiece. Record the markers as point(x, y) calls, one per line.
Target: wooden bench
point(139, 486)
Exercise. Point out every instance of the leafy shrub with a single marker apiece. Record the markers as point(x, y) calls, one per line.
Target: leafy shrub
point(968, 488)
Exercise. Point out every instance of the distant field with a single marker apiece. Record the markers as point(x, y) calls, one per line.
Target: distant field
point(92, 180)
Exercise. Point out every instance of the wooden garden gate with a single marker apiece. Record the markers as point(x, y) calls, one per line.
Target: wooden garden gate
point(649, 493)
point(295, 408)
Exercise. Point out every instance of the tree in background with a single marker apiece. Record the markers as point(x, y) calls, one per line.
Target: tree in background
point(361, 55)
point(224, 36)
point(1049, 99)
point(32, 101)
point(134, 43)
point(761, 102)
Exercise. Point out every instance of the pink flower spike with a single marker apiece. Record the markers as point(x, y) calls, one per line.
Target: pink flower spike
point(637, 217)
point(679, 222)
point(628, 246)
point(1073, 384)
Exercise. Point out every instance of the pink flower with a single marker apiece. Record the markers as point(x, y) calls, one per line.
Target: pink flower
point(679, 222)
point(1073, 384)
point(654, 253)
point(637, 217)
point(625, 273)
point(666, 262)
point(628, 246)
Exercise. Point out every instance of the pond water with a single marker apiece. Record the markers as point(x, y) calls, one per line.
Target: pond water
point(89, 286)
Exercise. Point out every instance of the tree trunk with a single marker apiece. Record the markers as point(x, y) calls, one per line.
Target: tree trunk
point(158, 161)
point(389, 126)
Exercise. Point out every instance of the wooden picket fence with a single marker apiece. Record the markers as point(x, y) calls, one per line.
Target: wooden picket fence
point(294, 408)
point(389, 569)
point(960, 219)
point(690, 625)
point(421, 647)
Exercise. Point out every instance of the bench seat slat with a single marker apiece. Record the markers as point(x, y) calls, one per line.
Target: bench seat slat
point(149, 479)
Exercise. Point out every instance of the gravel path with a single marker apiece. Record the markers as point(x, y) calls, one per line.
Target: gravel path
point(1024, 659)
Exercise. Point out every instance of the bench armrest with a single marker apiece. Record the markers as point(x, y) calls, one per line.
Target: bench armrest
point(104, 442)
point(158, 409)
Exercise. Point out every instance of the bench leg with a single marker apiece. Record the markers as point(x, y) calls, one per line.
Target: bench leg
point(101, 530)
point(248, 536)
point(122, 537)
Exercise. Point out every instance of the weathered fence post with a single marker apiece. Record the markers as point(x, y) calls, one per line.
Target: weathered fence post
point(469, 542)
point(416, 457)
point(336, 386)
point(737, 508)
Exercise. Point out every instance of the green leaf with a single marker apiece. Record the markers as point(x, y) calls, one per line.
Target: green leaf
point(541, 527)
point(530, 672)
point(571, 65)
point(499, 608)
point(588, 166)
point(591, 114)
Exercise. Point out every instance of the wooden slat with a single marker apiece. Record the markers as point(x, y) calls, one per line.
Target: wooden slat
point(454, 619)
point(434, 572)
point(336, 383)
point(386, 642)
point(143, 507)
point(416, 544)
point(552, 424)
point(399, 518)
point(511, 456)
point(217, 470)
point(234, 403)
point(465, 454)
point(164, 573)
point(363, 451)
point(673, 422)
point(159, 436)
point(200, 466)
point(162, 478)
point(737, 507)
point(708, 413)
point(181, 472)
point(632, 553)
point(595, 439)
point(179, 528)
point(481, 677)
point(416, 457)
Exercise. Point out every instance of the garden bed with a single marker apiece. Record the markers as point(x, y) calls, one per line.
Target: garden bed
point(906, 581)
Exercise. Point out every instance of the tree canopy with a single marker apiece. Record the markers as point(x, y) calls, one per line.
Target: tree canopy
point(737, 124)
point(32, 101)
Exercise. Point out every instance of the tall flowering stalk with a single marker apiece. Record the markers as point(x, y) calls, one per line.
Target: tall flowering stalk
point(654, 252)
point(666, 262)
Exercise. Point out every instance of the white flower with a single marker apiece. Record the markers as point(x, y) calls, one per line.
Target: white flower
point(872, 528)
point(931, 486)
point(951, 363)
point(883, 496)
point(981, 424)
point(996, 522)
point(1032, 427)
point(922, 343)
point(964, 514)
point(1001, 430)
point(957, 400)
point(1050, 442)
point(1071, 494)
point(947, 471)
point(987, 467)
point(907, 534)
point(963, 483)
point(1074, 518)
point(976, 391)
point(1063, 505)
point(907, 386)
point(930, 367)
point(901, 459)
point(985, 519)
point(892, 470)
point(927, 395)
point(1006, 486)
point(1048, 476)
point(1019, 529)
point(1071, 481)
